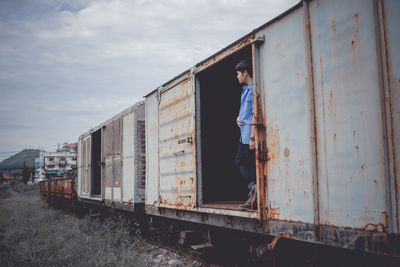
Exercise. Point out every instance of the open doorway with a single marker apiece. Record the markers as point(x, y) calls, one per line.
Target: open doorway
point(96, 163)
point(222, 183)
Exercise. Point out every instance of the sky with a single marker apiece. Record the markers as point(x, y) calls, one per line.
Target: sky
point(67, 66)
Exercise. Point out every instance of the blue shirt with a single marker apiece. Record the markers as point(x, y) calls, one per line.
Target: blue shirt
point(246, 113)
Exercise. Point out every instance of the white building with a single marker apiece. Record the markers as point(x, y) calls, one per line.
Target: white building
point(57, 164)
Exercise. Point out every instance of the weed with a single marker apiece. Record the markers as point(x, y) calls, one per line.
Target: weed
point(32, 233)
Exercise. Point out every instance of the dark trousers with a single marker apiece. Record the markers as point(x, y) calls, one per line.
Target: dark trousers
point(245, 159)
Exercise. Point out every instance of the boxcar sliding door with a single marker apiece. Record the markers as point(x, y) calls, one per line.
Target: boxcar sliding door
point(86, 166)
point(177, 175)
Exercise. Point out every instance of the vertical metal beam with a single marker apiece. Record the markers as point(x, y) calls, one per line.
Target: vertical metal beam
point(384, 84)
point(91, 165)
point(198, 139)
point(311, 113)
point(112, 163)
point(87, 163)
point(260, 136)
point(103, 160)
point(159, 95)
point(135, 156)
point(121, 143)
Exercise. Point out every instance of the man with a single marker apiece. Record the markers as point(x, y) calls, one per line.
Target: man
point(245, 157)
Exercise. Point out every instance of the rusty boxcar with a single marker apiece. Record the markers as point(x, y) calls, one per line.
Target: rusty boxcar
point(327, 104)
point(58, 188)
point(111, 161)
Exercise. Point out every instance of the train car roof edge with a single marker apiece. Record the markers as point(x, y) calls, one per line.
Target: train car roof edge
point(122, 113)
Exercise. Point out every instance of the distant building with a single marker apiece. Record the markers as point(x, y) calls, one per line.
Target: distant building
point(37, 168)
point(6, 178)
point(57, 164)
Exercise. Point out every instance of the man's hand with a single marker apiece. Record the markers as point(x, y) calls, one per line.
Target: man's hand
point(239, 122)
point(252, 145)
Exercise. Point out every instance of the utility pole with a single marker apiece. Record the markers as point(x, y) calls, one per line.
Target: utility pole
point(24, 174)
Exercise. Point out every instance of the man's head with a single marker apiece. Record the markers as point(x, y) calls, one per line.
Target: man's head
point(244, 72)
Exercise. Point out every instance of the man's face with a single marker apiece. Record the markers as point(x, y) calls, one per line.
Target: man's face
point(241, 76)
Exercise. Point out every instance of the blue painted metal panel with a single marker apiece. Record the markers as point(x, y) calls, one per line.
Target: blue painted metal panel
point(289, 181)
point(349, 119)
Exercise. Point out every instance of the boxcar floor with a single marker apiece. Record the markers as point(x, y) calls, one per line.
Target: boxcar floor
point(226, 205)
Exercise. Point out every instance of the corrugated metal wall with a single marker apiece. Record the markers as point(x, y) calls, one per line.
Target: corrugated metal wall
point(176, 146)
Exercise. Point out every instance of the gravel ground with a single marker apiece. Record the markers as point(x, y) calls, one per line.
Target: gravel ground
point(32, 233)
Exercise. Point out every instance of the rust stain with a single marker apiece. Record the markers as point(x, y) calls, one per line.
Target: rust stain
point(317, 4)
point(275, 146)
point(297, 75)
point(191, 180)
point(261, 155)
point(174, 189)
point(333, 26)
point(355, 40)
point(374, 227)
point(356, 35)
point(289, 204)
point(322, 74)
point(273, 213)
point(334, 141)
point(375, 181)
point(181, 184)
point(263, 152)
point(175, 98)
point(362, 169)
point(272, 245)
point(265, 112)
point(357, 150)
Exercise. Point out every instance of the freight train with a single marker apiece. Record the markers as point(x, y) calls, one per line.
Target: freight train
point(327, 105)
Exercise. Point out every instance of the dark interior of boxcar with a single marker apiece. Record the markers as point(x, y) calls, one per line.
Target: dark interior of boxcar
point(96, 158)
point(220, 102)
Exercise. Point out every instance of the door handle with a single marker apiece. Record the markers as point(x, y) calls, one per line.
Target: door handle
point(186, 140)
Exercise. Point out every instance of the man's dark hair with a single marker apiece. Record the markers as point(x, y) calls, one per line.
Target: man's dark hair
point(244, 65)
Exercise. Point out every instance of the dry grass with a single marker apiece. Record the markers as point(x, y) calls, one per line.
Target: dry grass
point(32, 233)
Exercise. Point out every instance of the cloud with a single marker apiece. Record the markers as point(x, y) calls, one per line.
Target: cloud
point(66, 66)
